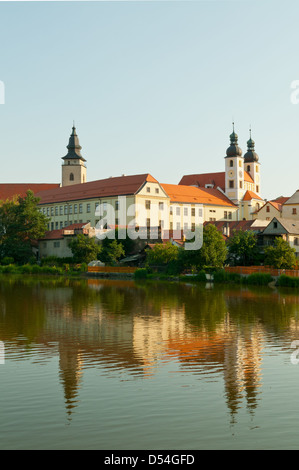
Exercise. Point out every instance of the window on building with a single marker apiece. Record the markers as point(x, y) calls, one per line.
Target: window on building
point(225, 214)
point(52, 225)
point(52, 210)
point(230, 215)
point(296, 241)
point(56, 244)
point(193, 227)
point(231, 163)
point(116, 205)
point(170, 210)
point(65, 210)
point(200, 212)
point(61, 225)
point(70, 209)
point(193, 211)
point(147, 204)
point(186, 211)
point(294, 211)
point(71, 176)
point(56, 225)
point(240, 163)
point(275, 224)
point(248, 167)
point(157, 190)
point(231, 183)
point(257, 189)
point(75, 208)
point(80, 208)
point(178, 226)
point(241, 184)
point(186, 226)
point(178, 211)
point(56, 210)
point(88, 207)
point(148, 189)
point(60, 210)
point(268, 209)
point(161, 206)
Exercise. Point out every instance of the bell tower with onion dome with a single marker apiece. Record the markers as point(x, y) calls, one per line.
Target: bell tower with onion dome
point(73, 167)
point(234, 170)
point(252, 165)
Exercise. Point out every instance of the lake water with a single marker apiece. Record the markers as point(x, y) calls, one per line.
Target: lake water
point(104, 364)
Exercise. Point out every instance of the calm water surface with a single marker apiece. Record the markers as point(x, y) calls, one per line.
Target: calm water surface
point(94, 364)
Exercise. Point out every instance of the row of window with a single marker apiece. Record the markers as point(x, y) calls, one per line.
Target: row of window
point(231, 185)
point(59, 225)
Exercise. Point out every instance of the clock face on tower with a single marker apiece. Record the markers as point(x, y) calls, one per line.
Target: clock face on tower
point(231, 173)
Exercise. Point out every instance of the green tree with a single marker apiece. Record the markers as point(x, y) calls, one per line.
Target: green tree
point(280, 255)
point(213, 252)
point(111, 251)
point(162, 255)
point(242, 248)
point(21, 223)
point(84, 249)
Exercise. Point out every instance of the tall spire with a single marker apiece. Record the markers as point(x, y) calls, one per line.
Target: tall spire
point(250, 155)
point(233, 150)
point(74, 147)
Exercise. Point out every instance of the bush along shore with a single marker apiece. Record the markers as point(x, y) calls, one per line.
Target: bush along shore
point(220, 276)
point(49, 266)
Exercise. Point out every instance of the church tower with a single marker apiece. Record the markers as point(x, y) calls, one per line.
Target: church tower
point(252, 165)
point(73, 167)
point(234, 170)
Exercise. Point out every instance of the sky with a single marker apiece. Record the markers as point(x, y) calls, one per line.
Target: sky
point(153, 87)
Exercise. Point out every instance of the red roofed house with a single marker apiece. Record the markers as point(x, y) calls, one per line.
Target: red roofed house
point(56, 242)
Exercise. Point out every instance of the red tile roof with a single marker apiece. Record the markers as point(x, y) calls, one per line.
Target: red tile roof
point(59, 234)
point(251, 195)
point(247, 177)
point(280, 200)
point(216, 179)
point(11, 190)
point(114, 186)
point(180, 193)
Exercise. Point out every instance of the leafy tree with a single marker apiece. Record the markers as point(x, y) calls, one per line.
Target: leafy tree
point(213, 252)
point(84, 249)
point(21, 223)
point(111, 251)
point(280, 255)
point(162, 255)
point(243, 248)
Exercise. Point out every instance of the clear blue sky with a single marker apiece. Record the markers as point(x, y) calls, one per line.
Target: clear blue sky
point(152, 86)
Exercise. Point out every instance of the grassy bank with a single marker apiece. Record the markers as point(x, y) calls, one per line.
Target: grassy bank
point(218, 277)
point(36, 269)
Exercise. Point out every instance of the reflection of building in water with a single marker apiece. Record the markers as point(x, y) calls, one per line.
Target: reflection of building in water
point(242, 367)
point(70, 365)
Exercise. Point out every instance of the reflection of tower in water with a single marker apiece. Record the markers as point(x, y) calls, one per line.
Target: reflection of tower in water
point(242, 366)
point(70, 374)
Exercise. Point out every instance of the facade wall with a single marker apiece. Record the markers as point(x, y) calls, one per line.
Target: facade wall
point(267, 212)
point(57, 248)
point(290, 211)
